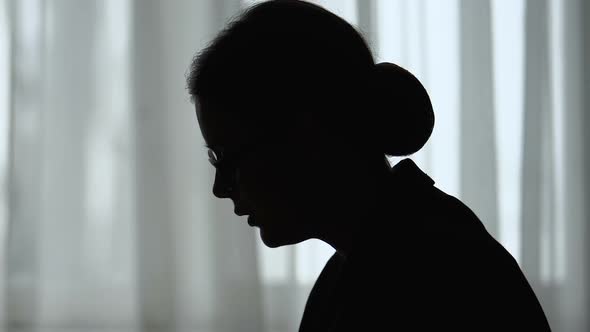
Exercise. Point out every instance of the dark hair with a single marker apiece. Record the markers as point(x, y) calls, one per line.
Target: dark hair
point(303, 57)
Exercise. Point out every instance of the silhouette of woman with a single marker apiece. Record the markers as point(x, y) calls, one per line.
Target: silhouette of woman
point(298, 120)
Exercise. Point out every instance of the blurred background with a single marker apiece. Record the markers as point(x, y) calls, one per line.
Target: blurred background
point(107, 219)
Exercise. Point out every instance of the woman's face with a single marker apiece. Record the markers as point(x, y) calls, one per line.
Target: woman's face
point(288, 185)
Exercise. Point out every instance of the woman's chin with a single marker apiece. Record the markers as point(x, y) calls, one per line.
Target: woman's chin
point(278, 232)
point(271, 240)
point(274, 240)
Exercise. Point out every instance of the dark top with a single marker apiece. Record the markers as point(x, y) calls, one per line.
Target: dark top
point(429, 266)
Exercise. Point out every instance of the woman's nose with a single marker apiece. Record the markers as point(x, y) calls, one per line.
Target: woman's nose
point(222, 186)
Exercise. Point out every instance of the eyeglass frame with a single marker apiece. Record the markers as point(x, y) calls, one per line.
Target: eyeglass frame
point(231, 164)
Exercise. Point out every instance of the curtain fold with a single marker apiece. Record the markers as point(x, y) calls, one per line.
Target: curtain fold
point(574, 291)
point(22, 257)
point(537, 178)
point(478, 168)
point(554, 184)
point(156, 260)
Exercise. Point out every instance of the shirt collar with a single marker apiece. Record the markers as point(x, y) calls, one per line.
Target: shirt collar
point(407, 172)
point(405, 184)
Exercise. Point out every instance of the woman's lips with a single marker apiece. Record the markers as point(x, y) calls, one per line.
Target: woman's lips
point(240, 211)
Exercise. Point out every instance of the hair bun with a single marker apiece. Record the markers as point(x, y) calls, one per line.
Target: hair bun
point(404, 114)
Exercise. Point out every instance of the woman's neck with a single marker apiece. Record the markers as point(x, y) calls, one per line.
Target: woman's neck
point(370, 207)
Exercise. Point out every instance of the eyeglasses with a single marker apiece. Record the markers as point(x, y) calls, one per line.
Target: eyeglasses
point(226, 162)
point(223, 164)
point(220, 160)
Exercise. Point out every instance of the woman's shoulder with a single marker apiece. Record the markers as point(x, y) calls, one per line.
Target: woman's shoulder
point(445, 284)
point(328, 278)
point(321, 305)
point(332, 268)
point(433, 256)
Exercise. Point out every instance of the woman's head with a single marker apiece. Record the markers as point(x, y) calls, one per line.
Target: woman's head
point(293, 90)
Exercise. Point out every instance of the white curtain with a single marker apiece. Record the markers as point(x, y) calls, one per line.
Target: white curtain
point(107, 220)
